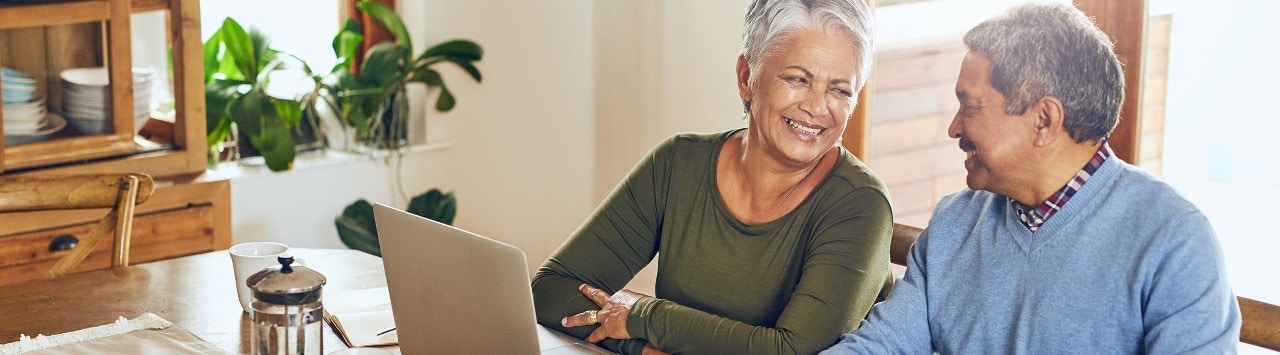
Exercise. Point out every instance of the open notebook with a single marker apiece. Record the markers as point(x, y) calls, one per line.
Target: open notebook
point(359, 316)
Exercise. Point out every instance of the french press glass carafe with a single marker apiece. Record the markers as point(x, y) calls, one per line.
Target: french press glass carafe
point(287, 313)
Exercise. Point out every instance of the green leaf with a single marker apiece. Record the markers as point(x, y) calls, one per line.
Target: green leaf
point(356, 227)
point(246, 111)
point(219, 132)
point(460, 48)
point(466, 65)
point(288, 110)
point(446, 101)
point(262, 51)
point(387, 18)
point(346, 44)
point(434, 205)
point(239, 46)
point(217, 94)
point(210, 49)
point(275, 141)
point(382, 64)
point(427, 76)
point(343, 44)
point(356, 237)
point(277, 147)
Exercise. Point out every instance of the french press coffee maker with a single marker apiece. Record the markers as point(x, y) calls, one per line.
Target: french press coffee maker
point(287, 315)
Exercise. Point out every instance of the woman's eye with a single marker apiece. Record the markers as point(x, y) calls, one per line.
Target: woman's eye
point(842, 93)
point(795, 80)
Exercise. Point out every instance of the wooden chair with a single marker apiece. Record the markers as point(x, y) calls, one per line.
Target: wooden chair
point(1260, 320)
point(119, 192)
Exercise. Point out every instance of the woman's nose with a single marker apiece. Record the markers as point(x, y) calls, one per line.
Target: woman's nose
point(814, 102)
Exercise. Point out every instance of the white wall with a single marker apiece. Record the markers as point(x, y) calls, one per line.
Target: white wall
point(662, 67)
point(518, 146)
point(575, 93)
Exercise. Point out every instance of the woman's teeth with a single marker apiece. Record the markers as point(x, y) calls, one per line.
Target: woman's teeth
point(798, 127)
point(971, 153)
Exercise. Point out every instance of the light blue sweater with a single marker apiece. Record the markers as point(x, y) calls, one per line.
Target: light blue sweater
point(1127, 266)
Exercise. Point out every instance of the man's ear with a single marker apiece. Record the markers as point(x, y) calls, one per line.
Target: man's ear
point(744, 78)
point(1048, 115)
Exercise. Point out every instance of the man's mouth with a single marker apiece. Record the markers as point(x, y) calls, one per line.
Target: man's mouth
point(803, 127)
point(968, 147)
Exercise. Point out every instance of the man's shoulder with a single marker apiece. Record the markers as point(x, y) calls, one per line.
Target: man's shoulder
point(1136, 186)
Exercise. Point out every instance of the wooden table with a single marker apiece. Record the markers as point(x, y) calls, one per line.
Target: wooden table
point(195, 292)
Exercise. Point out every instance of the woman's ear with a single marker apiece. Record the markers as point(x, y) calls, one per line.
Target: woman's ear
point(744, 78)
point(1049, 116)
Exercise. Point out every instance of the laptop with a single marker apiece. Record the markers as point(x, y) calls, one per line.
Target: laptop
point(455, 292)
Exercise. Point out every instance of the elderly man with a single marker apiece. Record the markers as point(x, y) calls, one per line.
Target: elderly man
point(1057, 245)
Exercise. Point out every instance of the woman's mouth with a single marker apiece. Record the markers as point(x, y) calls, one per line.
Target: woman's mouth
point(801, 127)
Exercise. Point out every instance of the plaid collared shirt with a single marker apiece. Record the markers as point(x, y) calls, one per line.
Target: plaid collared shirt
point(1033, 218)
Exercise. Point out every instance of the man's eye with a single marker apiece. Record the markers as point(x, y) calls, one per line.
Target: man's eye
point(842, 93)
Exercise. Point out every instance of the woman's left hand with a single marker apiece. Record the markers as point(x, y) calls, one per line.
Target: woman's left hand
point(612, 315)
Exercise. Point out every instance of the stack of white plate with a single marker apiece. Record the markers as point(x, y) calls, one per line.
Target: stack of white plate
point(86, 98)
point(25, 117)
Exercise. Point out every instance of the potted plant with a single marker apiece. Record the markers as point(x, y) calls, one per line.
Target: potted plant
point(371, 97)
point(238, 67)
point(357, 230)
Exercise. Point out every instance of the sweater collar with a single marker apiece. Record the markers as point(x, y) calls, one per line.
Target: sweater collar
point(1033, 218)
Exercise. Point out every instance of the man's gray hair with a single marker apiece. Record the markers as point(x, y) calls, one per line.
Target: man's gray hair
point(769, 22)
point(1052, 49)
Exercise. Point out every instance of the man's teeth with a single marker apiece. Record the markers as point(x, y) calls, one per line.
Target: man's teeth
point(797, 126)
point(971, 153)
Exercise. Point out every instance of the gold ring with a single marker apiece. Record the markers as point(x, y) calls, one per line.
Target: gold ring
point(591, 316)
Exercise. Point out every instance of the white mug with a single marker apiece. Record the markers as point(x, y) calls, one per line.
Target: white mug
point(249, 258)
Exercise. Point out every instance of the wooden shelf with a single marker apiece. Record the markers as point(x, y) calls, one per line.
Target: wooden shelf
point(189, 212)
point(62, 13)
point(54, 37)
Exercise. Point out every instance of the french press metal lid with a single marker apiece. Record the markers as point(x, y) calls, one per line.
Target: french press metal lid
point(286, 284)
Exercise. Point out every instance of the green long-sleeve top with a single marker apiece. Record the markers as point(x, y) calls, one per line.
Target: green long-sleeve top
point(792, 285)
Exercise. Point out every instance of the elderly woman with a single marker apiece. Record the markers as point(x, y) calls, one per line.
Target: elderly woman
point(774, 239)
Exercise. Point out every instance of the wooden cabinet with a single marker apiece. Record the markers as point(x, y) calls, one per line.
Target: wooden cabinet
point(181, 218)
point(43, 39)
point(188, 213)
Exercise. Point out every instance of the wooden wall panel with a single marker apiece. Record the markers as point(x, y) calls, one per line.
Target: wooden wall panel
point(1126, 23)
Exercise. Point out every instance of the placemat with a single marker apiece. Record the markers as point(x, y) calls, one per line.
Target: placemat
point(146, 334)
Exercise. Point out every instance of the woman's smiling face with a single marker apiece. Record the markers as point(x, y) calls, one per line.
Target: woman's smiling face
point(803, 95)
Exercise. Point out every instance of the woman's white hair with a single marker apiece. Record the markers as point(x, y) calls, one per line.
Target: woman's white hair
point(769, 22)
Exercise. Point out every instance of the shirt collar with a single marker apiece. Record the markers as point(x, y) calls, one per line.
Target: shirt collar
point(1033, 218)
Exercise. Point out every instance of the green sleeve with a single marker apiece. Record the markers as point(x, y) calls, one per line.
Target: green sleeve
point(607, 251)
point(843, 271)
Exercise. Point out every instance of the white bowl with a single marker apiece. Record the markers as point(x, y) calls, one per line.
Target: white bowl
point(37, 102)
point(23, 114)
point(92, 76)
point(100, 77)
point(54, 124)
point(85, 115)
point(90, 126)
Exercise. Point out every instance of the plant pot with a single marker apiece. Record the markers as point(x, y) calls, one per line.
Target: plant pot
point(389, 125)
point(306, 138)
